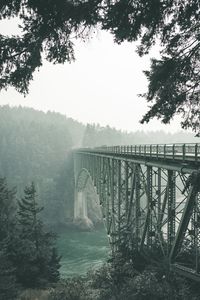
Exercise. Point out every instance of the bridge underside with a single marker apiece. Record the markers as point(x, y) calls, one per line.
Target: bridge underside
point(149, 206)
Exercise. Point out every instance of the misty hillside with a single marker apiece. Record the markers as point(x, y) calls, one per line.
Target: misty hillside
point(35, 147)
point(95, 136)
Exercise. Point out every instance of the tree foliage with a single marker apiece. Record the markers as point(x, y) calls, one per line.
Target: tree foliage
point(7, 209)
point(51, 28)
point(34, 253)
point(28, 256)
point(119, 279)
point(71, 289)
point(8, 286)
point(47, 26)
point(35, 147)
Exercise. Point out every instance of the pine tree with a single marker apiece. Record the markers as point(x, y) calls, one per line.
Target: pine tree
point(54, 265)
point(35, 258)
point(8, 287)
point(7, 208)
point(29, 222)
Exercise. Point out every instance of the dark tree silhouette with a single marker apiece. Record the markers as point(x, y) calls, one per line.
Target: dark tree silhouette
point(35, 256)
point(8, 286)
point(174, 78)
point(47, 26)
point(51, 27)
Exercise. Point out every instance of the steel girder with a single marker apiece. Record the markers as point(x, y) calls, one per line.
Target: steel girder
point(151, 209)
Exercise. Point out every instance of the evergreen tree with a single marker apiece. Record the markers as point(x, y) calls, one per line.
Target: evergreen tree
point(7, 208)
point(8, 287)
point(36, 152)
point(35, 258)
point(90, 136)
point(54, 265)
point(28, 215)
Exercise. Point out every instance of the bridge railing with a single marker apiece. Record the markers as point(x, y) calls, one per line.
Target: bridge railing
point(181, 151)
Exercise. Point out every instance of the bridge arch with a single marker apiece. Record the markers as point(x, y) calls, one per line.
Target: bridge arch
point(82, 180)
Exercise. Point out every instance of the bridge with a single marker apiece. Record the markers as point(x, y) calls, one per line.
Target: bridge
point(150, 199)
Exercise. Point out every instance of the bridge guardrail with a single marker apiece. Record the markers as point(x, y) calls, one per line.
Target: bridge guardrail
point(190, 151)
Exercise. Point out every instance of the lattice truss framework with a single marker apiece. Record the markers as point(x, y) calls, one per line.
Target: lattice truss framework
point(148, 209)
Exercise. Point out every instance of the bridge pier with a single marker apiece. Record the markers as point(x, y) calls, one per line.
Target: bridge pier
point(80, 205)
point(87, 211)
point(81, 212)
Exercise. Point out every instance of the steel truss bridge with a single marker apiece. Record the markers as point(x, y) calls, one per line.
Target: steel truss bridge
point(150, 199)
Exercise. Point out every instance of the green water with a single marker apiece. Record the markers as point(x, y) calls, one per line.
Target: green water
point(82, 251)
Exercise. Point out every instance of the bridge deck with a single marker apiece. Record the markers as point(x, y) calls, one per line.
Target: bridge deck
point(182, 157)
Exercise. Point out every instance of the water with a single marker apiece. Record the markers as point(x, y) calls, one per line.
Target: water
point(82, 251)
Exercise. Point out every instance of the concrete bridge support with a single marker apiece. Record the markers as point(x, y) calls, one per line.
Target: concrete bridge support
point(80, 205)
point(82, 201)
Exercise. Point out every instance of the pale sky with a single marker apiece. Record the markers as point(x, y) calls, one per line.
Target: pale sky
point(101, 86)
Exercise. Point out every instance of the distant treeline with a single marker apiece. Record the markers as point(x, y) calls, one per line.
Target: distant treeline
point(36, 146)
point(95, 136)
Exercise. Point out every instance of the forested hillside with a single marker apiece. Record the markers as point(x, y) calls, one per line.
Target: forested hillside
point(36, 146)
point(95, 136)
